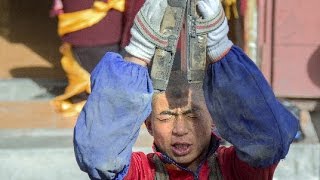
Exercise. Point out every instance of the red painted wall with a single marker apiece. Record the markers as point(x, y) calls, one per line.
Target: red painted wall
point(292, 64)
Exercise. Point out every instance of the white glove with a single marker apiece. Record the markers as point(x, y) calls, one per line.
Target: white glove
point(141, 45)
point(218, 42)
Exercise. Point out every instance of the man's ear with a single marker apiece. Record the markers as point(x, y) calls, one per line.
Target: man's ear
point(148, 124)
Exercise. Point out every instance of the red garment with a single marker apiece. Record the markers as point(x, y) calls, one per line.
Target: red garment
point(232, 168)
point(107, 31)
point(131, 9)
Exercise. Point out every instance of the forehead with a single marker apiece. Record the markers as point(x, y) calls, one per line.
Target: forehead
point(177, 99)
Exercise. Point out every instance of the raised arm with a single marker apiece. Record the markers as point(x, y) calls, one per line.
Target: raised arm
point(120, 102)
point(109, 124)
point(241, 102)
point(246, 111)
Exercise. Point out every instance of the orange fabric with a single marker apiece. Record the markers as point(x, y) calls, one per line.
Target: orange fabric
point(75, 21)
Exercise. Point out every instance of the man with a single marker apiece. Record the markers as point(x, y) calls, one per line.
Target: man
point(88, 29)
point(235, 98)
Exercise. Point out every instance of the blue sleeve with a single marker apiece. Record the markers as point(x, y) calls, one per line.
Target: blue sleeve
point(109, 123)
point(246, 111)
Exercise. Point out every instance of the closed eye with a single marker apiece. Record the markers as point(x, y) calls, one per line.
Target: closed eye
point(191, 113)
point(166, 115)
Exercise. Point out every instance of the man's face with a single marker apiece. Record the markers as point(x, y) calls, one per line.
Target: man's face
point(181, 127)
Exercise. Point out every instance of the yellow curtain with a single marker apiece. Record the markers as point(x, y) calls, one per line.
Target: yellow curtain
point(70, 22)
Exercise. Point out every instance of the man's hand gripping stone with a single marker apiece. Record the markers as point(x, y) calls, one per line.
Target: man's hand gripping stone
point(218, 43)
point(145, 31)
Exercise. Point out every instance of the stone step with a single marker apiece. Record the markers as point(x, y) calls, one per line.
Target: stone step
point(32, 114)
point(37, 115)
point(44, 154)
point(52, 138)
point(38, 154)
point(303, 159)
point(47, 154)
point(25, 103)
point(21, 89)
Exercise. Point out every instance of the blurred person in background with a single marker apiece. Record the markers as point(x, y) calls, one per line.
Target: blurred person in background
point(88, 29)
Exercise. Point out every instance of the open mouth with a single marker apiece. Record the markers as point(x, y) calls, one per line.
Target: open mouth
point(181, 149)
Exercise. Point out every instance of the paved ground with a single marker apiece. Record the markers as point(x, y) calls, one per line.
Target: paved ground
point(41, 154)
point(40, 147)
point(47, 154)
point(36, 142)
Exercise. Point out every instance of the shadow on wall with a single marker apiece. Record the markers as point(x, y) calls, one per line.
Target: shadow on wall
point(314, 67)
point(28, 22)
point(314, 74)
point(315, 117)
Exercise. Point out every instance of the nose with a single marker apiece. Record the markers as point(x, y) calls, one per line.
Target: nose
point(180, 126)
